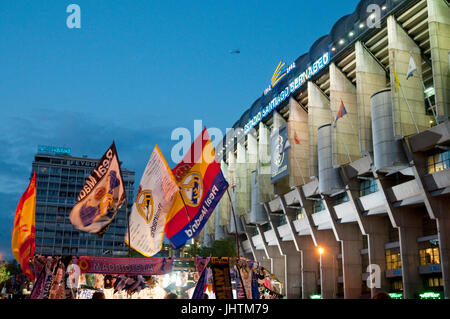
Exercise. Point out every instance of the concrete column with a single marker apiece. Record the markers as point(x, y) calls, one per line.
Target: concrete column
point(350, 238)
point(370, 78)
point(318, 114)
point(408, 220)
point(277, 260)
point(401, 47)
point(439, 30)
point(264, 185)
point(310, 267)
point(299, 140)
point(292, 260)
point(329, 271)
point(345, 134)
point(376, 228)
point(437, 208)
point(377, 236)
point(410, 228)
point(242, 181)
point(304, 246)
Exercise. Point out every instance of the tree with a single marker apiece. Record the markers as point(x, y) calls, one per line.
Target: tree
point(4, 273)
point(220, 248)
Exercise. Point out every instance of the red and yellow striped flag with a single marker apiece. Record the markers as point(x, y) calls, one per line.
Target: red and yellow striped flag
point(23, 235)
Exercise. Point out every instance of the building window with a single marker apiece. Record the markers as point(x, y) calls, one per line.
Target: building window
point(397, 285)
point(429, 256)
point(438, 162)
point(368, 187)
point(318, 206)
point(340, 199)
point(435, 282)
point(393, 259)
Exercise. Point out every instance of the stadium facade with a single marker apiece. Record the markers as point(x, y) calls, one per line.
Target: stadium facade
point(371, 188)
point(59, 179)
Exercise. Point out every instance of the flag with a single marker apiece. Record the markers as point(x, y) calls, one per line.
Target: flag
point(397, 81)
point(411, 68)
point(101, 196)
point(296, 138)
point(154, 199)
point(286, 146)
point(201, 184)
point(342, 111)
point(23, 234)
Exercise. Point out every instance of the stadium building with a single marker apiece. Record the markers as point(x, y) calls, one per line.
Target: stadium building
point(370, 188)
point(59, 179)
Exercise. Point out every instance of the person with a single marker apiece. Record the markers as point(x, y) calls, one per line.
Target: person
point(98, 295)
point(382, 295)
point(171, 296)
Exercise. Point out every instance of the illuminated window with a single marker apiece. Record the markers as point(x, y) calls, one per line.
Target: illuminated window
point(429, 256)
point(300, 213)
point(435, 282)
point(393, 259)
point(397, 285)
point(438, 162)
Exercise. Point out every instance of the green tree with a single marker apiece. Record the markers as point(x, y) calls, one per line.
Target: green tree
point(4, 272)
point(220, 248)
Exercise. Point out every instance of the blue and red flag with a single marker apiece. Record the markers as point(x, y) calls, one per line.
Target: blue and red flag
point(342, 111)
point(201, 184)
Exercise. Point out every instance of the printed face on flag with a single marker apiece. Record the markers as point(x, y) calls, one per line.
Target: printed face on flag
point(201, 184)
point(101, 197)
point(153, 201)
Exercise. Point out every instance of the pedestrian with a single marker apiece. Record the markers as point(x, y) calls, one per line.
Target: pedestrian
point(98, 295)
point(171, 296)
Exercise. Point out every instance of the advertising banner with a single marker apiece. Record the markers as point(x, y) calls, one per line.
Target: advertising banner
point(280, 155)
point(125, 266)
point(221, 277)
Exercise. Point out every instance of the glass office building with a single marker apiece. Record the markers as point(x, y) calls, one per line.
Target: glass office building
point(59, 178)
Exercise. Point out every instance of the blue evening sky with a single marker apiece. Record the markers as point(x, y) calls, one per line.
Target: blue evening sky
point(135, 71)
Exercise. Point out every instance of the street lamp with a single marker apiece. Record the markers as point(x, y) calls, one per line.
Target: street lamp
point(320, 250)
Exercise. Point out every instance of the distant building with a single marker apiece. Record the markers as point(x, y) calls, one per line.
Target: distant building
point(59, 179)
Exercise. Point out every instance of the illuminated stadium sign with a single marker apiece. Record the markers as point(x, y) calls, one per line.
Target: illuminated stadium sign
point(53, 150)
point(293, 86)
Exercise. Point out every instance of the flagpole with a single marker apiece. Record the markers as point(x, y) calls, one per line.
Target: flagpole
point(237, 243)
point(235, 224)
point(189, 219)
point(356, 135)
point(300, 170)
point(409, 108)
point(345, 145)
point(128, 227)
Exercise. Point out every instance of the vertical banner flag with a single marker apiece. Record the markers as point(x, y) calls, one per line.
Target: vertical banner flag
point(397, 81)
point(221, 277)
point(412, 67)
point(296, 138)
point(341, 112)
point(23, 235)
point(280, 161)
point(101, 196)
point(154, 199)
point(201, 184)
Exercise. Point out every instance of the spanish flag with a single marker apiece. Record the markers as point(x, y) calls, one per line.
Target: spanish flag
point(201, 185)
point(23, 235)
